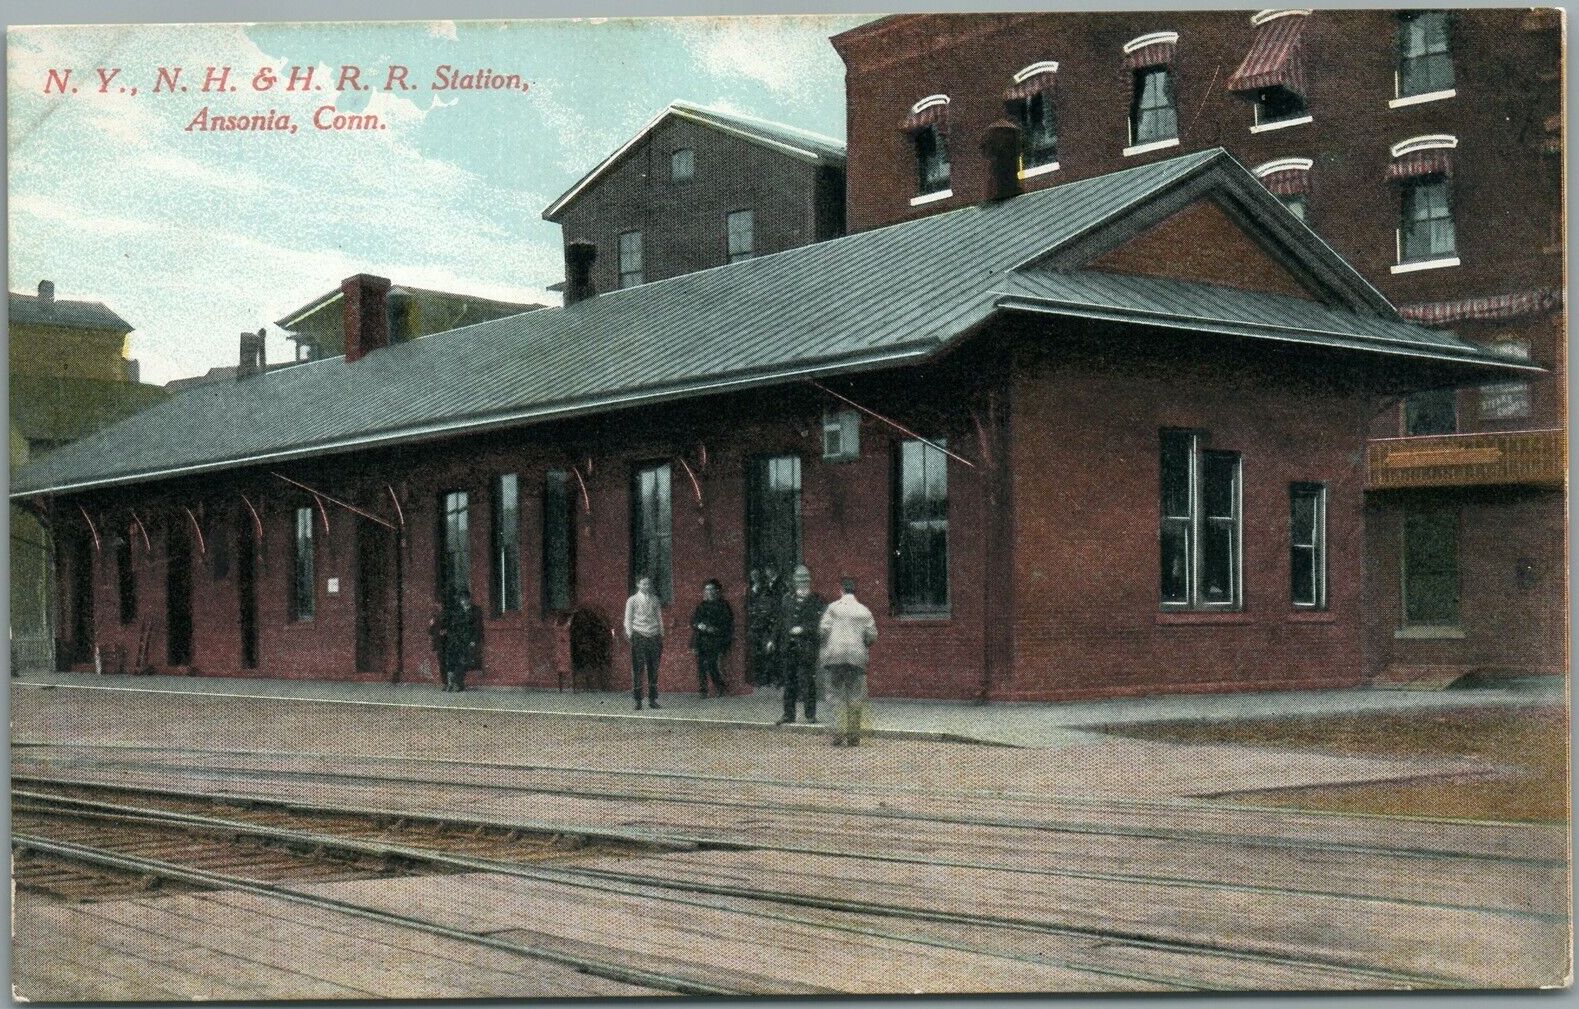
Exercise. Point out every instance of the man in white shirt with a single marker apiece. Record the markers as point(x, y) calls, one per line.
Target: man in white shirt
point(847, 630)
point(644, 631)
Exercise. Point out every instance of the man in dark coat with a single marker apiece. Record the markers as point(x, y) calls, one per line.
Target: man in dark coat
point(763, 599)
point(437, 630)
point(462, 640)
point(797, 646)
point(712, 632)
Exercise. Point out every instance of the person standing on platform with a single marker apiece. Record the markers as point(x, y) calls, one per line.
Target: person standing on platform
point(797, 646)
point(462, 640)
point(644, 631)
point(847, 631)
point(762, 621)
point(712, 632)
point(436, 637)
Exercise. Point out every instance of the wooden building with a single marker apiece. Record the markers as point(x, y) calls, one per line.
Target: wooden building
point(1424, 146)
point(1061, 458)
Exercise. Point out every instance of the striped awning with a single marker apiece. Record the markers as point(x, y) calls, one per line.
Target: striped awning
point(1287, 181)
point(1035, 84)
point(932, 115)
point(1155, 55)
point(1433, 161)
point(1488, 309)
point(1274, 59)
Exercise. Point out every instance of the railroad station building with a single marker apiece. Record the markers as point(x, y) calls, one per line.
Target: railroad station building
point(1106, 437)
point(1424, 146)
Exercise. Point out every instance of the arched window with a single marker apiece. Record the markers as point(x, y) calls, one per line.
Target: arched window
point(1153, 107)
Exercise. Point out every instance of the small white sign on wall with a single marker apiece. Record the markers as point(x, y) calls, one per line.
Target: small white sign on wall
point(334, 586)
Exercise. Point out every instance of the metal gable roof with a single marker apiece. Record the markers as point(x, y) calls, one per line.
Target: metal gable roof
point(790, 140)
point(866, 300)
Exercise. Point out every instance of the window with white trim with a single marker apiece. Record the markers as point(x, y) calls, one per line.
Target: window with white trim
point(920, 529)
point(1308, 546)
point(304, 582)
point(506, 582)
point(932, 160)
point(1425, 58)
point(1038, 118)
point(682, 165)
point(1425, 226)
point(1202, 527)
point(1153, 114)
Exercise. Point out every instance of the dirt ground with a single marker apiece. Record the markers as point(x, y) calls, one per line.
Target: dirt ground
point(1530, 742)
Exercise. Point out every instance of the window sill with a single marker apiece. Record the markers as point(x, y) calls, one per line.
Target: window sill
point(1312, 616)
point(1429, 96)
point(1425, 264)
point(1429, 633)
point(1031, 173)
point(925, 198)
point(1155, 145)
point(1281, 124)
point(1188, 617)
point(939, 617)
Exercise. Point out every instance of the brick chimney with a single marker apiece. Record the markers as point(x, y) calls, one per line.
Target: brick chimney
point(1000, 145)
point(365, 314)
point(46, 291)
point(579, 257)
point(252, 355)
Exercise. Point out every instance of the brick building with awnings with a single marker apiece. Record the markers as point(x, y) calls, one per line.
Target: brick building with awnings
point(1103, 438)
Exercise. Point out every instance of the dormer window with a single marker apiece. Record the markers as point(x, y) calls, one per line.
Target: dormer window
point(927, 127)
point(1425, 59)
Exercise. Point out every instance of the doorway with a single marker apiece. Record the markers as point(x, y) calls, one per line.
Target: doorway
point(375, 555)
point(247, 590)
point(178, 595)
point(81, 644)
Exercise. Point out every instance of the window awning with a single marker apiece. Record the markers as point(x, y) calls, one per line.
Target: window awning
point(1432, 161)
point(931, 115)
point(1042, 80)
point(1274, 59)
point(1488, 309)
point(1154, 55)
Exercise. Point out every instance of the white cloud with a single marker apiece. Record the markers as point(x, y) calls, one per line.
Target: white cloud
point(442, 30)
point(780, 52)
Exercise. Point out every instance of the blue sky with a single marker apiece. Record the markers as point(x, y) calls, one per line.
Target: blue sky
point(194, 237)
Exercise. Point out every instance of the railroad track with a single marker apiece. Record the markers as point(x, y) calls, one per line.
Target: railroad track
point(358, 844)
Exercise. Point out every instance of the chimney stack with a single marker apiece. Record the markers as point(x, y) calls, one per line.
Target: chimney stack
point(46, 291)
point(579, 257)
point(1000, 144)
point(252, 356)
point(366, 318)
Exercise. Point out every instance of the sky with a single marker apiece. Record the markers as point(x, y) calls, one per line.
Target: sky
point(193, 236)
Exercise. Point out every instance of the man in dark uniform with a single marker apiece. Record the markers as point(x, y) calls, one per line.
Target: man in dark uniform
point(797, 645)
point(762, 623)
point(712, 632)
point(462, 640)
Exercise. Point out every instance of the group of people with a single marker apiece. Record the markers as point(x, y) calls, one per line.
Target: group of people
point(797, 639)
point(456, 635)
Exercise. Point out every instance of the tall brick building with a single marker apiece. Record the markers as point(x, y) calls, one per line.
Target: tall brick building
point(1059, 462)
point(1424, 146)
point(696, 188)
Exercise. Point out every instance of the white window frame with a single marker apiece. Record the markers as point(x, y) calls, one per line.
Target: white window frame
point(1195, 524)
point(1317, 547)
point(640, 273)
point(845, 425)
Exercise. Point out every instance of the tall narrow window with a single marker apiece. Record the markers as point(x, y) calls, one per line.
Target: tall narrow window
point(652, 529)
point(631, 272)
point(741, 226)
point(1425, 59)
point(1430, 569)
point(559, 543)
point(1425, 229)
point(932, 160)
point(127, 576)
point(1038, 130)
point(1202, 524)
point(682, 165)
point(455, 565)
point(1308, 546)
point(1153, 115)
point(507, 544)
point(304, 584)
point(920, 536)
point(773, 518)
